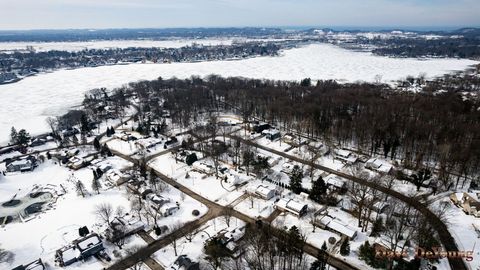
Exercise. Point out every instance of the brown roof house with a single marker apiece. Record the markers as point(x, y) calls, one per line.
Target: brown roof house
point(468, 202)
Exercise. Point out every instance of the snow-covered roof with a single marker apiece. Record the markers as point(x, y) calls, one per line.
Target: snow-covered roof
point(270, 131)
point(338, 226)
point(374, 163)
point(20, 162)
point(291, 204)
point(89, 241)
point(343, 153)
point(70, 253)
point(264, 190)
point(335, 181)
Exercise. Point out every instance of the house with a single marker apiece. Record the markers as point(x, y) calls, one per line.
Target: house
point(335, 181)
point(35, 265)
point(261, 127)
point(230, 238)
point(79, 249)
point(337, 226)
point(117, 178)
point(172, 142)
point(237, 180)
point(378, 165)
point(168, 209)
point(345, 156)
point(470, 204)
point(21, 165)
point(264, 192)
point(67, 255)
point(89, 245)
point(292, 206)
point(271, 134)
point(37, 142)
point(184, 263)
point(203, 168)
point(289, 138)
point(287, 168)
point(120, 228)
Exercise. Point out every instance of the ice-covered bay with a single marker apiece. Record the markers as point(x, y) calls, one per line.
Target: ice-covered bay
point(27, 103)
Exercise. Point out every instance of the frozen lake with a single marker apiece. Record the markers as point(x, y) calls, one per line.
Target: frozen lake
point(26, 104)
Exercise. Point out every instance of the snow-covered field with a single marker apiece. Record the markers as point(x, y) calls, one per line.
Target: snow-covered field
point(27, 103)
point(108, 44)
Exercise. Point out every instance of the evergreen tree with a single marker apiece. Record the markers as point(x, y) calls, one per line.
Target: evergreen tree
point(345, 248)
point(112, 130)
point(96, 144)
point(377, 227)
point(319, 189)
point(13, 135)
point(84, 124)
point(366, 252)
point(296, 179)
point(22, 137)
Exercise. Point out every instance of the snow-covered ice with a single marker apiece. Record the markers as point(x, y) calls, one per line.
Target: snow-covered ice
point(27, 103)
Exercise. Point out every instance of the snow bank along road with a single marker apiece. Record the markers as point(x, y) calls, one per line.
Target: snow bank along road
point(445, 237)
point(27, 103)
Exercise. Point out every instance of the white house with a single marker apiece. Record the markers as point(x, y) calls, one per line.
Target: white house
point(271, 134)
point(287, 168)
point(378, 165)
point(264, 192)
point(345, 156)
point(203, 168)
point(168, 209)
point(337, 226)
point(335, 181)
point(21, 165)
point(292, 206)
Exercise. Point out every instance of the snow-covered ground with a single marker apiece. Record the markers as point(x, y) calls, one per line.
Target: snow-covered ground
point(194, 249)
point(54, 228)
point(27, 103)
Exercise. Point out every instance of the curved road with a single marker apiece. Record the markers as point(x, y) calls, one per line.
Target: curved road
point(445, 237)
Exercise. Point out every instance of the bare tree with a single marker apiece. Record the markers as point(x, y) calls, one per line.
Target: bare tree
point(104, 212)
point(80, 188)
point(227, 215)
point(6, 256)
point(172, 237)
point(96, 185)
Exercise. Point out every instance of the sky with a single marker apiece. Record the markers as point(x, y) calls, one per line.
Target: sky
point(85, 14)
